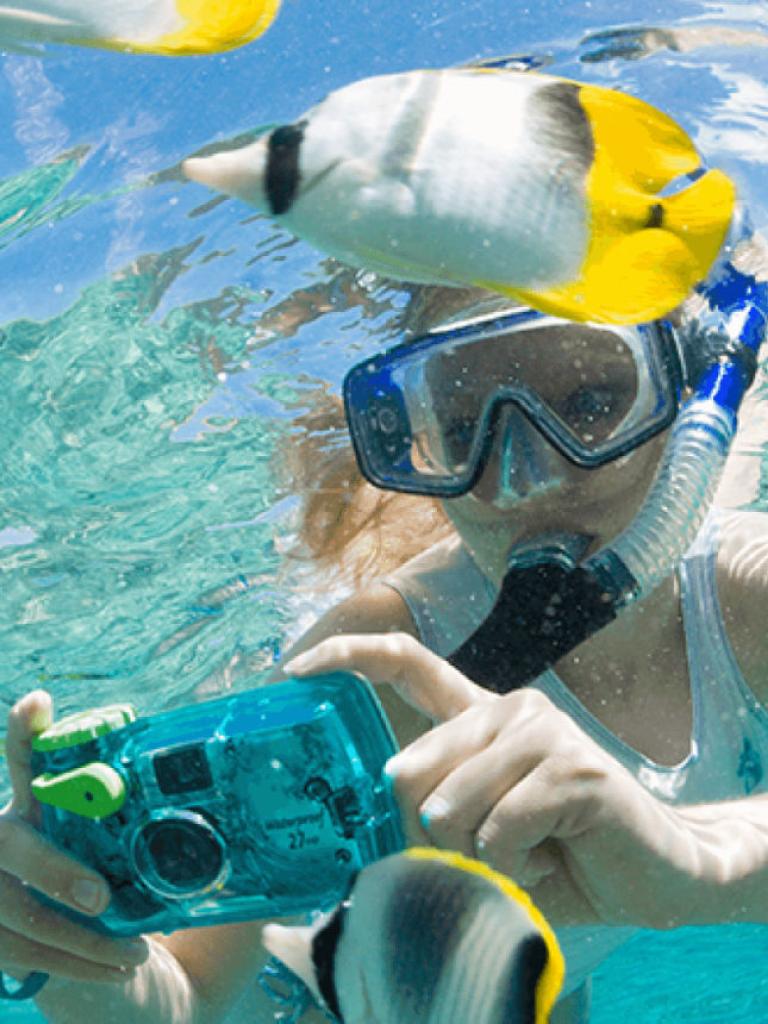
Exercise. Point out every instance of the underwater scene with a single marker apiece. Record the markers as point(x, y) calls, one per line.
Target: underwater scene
point(159, 344)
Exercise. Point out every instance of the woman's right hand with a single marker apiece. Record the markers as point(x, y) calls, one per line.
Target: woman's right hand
point(33, 936)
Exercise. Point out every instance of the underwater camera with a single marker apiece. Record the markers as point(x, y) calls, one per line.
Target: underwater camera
point(261, 804)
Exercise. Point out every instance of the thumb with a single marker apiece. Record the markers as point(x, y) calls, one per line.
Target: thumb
point(28, 717)
point(423, 679)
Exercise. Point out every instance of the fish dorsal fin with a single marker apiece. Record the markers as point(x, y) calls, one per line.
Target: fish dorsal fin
point(642, 145)
point(510, 62)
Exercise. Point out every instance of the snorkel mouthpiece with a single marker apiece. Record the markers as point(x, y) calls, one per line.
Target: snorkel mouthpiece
point(560, 607)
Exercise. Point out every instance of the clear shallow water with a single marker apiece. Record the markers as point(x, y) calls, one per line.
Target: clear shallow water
point(142, 398)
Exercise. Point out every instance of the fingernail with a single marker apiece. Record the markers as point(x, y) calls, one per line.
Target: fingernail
point(296, 665)
point(135, 950)
point(433, 810)
point(121, 974)
point(41, 717)
point(390, 768)
point(91, 896)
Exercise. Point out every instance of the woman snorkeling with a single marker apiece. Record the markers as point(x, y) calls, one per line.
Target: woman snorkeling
point(620, 783)
point(587, 641)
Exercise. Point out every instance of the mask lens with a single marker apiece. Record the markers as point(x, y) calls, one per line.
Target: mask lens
point(584, 380)
point(432, 407)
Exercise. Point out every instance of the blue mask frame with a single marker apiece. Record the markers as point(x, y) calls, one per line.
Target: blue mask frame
point(379, 424)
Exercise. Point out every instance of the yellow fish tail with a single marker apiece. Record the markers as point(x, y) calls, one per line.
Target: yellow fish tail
point(213, 26)
point(646, 252)
point(644, 273)
point(700, 216)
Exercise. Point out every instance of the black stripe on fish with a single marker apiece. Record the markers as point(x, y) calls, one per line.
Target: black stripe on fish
point(557, 114)
point(324, 945)
point(518, 999)
point(655, 216)
point(282, 175)
point(427, 908)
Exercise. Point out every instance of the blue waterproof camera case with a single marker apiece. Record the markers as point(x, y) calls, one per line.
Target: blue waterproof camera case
point(257, 805)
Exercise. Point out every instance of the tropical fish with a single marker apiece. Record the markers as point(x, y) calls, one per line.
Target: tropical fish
point(170, 27)
point(427, 937)
point(575, 199)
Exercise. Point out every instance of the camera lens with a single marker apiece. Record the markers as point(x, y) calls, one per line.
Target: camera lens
point(179, 855)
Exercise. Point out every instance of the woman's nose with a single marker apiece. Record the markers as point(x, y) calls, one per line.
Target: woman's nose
point(521, 462)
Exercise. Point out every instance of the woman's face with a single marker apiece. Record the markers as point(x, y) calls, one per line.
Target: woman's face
point(595, 503)
point(528, 488)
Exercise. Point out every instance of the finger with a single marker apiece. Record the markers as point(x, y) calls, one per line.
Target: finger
point(418, 770)
point(25, 917)
point(19, 956)
point(426, 681)
point(464, 799)
point(28, 717)
point(29, 856)
point(554, 890)
point(519, 823)
point(521, 729)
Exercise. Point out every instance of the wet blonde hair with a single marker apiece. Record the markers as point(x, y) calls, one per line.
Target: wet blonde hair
point(344, 523)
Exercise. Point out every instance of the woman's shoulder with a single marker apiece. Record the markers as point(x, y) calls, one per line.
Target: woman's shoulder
point(742, 583)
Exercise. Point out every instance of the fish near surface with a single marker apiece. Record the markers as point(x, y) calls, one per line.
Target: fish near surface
point(533, 186)
point(168, 27)
point(428, 937)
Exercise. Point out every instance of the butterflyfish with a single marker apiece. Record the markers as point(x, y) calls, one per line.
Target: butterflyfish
point(169, 27)
point(427, 937)
point(578, 200)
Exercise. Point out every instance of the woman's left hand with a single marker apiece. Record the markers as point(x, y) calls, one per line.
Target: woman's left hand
point(514, 781)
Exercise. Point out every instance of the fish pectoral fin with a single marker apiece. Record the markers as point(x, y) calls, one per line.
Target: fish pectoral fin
point(391, 195)
point(641, 144)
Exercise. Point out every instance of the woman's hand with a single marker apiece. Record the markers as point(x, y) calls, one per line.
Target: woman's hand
point(514, 781)
point(34, 937)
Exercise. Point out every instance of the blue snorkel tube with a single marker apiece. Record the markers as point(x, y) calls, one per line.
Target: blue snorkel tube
point(682, 493)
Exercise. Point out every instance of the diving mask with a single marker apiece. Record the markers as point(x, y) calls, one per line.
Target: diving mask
point(423, 416)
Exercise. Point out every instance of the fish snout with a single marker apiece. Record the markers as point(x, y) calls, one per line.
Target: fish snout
point(235, 172)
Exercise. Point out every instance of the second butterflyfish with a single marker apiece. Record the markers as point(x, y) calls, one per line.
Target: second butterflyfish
point(427, 937)
point(578, 200)
point(168, 27)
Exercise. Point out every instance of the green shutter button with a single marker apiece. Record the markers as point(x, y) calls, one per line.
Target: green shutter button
point(83, 727)
point(93, 790)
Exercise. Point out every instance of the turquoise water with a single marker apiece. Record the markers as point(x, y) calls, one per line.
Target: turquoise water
point(148, 377)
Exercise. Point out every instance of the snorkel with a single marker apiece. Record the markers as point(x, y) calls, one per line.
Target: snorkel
point(701, 437)
point(543, 615)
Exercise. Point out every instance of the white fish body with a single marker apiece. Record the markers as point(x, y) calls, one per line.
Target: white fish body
point(428, 937)
point(519, 182)
point(426, 171)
